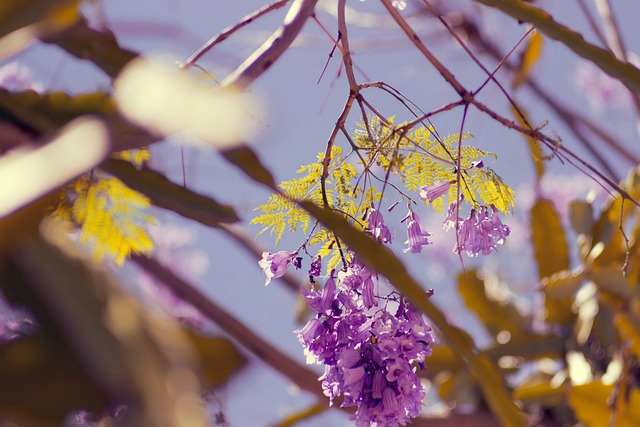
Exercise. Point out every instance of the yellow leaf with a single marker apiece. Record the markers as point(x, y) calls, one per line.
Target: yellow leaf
point(529, 58)
point(552, 255)
point(534, 146)
point(590, 403)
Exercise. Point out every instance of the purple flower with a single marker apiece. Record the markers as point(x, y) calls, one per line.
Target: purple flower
point(316, 267)
point(435, 190)
point(377, 227)
point(275, 265)
point(452, 215)
point(481, 232)
point(368, 354)
point(417, 237)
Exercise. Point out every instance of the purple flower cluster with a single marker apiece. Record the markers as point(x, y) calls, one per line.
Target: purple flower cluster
point(479, 233)
point(368, 353)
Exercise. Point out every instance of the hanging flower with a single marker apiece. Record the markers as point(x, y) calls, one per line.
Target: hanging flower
point(377, 227)
point(417, 236)
point(435, 190)
point(275, 265)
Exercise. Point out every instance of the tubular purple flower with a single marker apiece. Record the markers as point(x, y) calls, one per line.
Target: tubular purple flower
point(368, 298)
point(417, 236)
point(379, 384)
point(352, 375)
point(275, 265)
point(310, 331)
point(328, 295)
point(348, 358)
point(435, 190)
point(452, 215)
point(500, 230)
point(377, 227)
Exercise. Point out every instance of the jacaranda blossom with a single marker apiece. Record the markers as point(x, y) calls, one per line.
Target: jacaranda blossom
point(370, 355)
point(275, 265)
point(417, 236)
point(377, 227)
point(435, 190)
point(481, 232)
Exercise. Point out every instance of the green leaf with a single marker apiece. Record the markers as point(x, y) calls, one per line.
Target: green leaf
point(552, 255)
point(544, 22)
point(496, 315)
point(167, 195)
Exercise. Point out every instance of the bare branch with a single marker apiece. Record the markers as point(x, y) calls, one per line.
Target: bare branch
point(267, 54)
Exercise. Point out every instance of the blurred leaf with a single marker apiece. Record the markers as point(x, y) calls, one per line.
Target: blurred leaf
point(581, 216)
point(590, 403)
point(22, 21)
point(443, 358)
point(534, 145)
point(628, 326)
point(46, 113)
point(529, 347)
point(15, 14)
point(219, 358)
point(604, 327)
point(495, 315)
point(133, 357)
point(610, 280)
point(457, 388)
point(47, 381)
point(97, 46)
point(529, 58)
point(303, 415)
point(167, 195)
point(539, 390)
point(563, 284)
point(552, 255)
